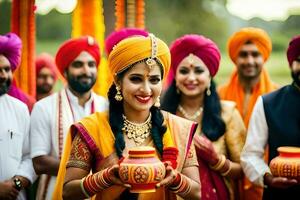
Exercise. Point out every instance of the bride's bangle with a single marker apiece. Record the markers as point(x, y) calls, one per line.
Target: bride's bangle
point(181, 185)
point(94, 183)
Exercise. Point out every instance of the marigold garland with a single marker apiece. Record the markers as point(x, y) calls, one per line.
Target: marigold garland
point(23, 24)
point(140, 14)
point(88, 19)
point(130, 13)
point(120, 14)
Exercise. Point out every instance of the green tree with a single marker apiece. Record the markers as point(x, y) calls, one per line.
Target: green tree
point(5, 13)
point(53, 26)
point(170, 19)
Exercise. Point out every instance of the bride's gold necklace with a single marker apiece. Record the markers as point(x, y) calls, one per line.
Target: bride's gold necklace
point(137, 132)
point(188, 116)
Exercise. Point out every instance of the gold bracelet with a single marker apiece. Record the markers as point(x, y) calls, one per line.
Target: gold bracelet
point(220, 164)
point(215, 165)
point(228, 170)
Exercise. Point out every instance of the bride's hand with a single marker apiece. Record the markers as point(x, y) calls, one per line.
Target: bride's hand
point(170, 175)
point(113, 175)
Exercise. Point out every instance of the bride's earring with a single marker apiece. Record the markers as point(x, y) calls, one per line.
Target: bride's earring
point(157, 102)
point(118, 96)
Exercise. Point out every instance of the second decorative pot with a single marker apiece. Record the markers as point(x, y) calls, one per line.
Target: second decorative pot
point(287, 164)
point(142, 169)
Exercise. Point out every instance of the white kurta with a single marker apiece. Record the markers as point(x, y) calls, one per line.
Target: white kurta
point(14, 141)
point(44, 124)
point(252, 157)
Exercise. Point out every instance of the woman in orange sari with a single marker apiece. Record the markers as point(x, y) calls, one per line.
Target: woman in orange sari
point(138, 65)
point(192, 94)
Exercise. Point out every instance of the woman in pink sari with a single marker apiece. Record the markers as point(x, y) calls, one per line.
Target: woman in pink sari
point(191, 94)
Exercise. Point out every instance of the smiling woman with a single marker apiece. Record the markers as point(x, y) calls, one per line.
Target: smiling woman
point(138, 65)
point(192, 94)
point(141, 90)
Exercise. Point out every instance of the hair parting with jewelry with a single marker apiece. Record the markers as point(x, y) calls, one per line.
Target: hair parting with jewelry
point(116, 112)
point(213, 125)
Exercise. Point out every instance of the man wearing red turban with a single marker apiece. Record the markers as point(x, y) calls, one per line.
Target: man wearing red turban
point(16, 166)
point(46, 75)
point(275, 122)
point(77, 60)
point(249, 49)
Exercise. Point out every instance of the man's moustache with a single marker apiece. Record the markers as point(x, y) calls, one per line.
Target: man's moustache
point(84, 76)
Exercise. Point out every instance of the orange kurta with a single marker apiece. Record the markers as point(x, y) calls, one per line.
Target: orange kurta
point(233, 91)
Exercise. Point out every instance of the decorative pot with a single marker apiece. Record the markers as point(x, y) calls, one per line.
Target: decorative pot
point(142, 169)
point(287, 164)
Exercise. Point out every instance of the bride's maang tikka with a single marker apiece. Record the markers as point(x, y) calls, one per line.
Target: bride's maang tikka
point(151, 61)
point(191, 58)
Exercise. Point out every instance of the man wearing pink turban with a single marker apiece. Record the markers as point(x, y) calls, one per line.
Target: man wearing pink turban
point(11, 48)
point(16, 166)
point(77, 60)
point(191, 94)
point(275, 122)
point(46, 75)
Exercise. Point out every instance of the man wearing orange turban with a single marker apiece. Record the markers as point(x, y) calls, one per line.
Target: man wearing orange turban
point(248, 49)
point(77, 60)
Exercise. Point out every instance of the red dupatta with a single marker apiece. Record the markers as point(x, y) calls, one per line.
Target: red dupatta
point(213, 186)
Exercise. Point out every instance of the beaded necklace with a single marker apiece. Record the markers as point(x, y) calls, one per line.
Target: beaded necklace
point(137, 132)
point(188, 116)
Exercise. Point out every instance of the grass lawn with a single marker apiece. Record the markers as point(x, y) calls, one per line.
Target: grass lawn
point(277, 64)
point(48, 46)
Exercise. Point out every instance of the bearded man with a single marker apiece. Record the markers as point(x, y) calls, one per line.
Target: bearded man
point(16, 170)
point(46, 75)
point(77, 60)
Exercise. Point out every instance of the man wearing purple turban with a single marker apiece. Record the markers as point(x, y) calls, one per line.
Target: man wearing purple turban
point(10, 47)
point(192, 94)
point(16, 169)
point(275, 122)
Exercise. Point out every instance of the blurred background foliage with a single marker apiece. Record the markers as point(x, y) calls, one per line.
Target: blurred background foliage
point(170, 19)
